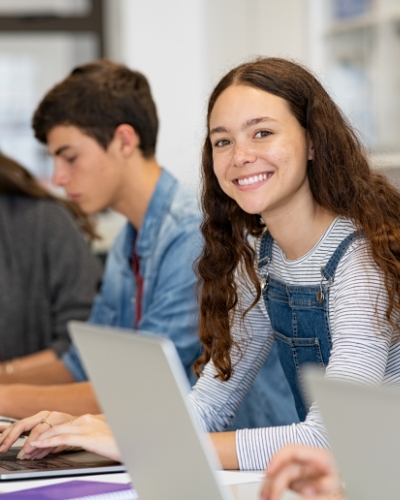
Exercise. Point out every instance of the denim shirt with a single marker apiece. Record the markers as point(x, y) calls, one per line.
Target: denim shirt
point(167, 244)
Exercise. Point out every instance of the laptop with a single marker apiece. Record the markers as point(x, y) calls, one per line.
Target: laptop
point(57, 465)
point(75, 463)
point(141, 386)
point(363, 424)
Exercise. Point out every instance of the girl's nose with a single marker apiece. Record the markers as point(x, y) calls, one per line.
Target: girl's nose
point(242, 156)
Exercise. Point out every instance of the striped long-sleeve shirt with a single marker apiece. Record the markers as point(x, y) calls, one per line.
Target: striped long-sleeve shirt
point(363, 347)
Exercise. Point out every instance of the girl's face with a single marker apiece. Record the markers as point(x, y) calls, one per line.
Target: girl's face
point(260, 151)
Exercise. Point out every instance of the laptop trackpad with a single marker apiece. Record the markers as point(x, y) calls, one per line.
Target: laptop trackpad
point(86, 457)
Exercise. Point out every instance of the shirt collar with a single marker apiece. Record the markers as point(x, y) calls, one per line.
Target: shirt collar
point(155, 213)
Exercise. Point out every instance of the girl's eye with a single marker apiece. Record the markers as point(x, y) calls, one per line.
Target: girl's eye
point(221, 143)
point(262, 133)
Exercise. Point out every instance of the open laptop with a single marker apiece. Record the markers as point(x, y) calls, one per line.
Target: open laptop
point(363, 423)
point(142, 389)
point(58, 465)
point(76, 463)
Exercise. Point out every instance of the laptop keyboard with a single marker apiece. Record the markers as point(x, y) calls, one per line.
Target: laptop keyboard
point(9, 461)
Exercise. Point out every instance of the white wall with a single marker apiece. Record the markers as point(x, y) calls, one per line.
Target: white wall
point(241, 29)
point(185, 46)
point(165, 41)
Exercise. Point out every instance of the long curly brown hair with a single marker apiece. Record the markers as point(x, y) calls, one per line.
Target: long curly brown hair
point(16, 180)
point(340, 180)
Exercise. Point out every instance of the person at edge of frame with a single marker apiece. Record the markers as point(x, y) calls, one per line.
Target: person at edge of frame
point(45, 247)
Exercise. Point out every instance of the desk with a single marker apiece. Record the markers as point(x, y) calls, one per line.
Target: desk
point(242, 481)
point(6, 487)
point(236, 479)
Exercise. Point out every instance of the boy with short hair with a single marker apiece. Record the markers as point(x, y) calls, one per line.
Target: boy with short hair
point(100, 125)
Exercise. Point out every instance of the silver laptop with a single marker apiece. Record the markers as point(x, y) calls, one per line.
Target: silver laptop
point(363, 423)
point(76, 463)
point(142, 389)
point(57, 465)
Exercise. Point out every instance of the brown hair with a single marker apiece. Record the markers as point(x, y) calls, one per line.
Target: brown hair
point(340, 180)
point(97, 98)
point(16, 180)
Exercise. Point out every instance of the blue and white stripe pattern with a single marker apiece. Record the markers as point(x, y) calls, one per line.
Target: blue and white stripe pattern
point(363, 346)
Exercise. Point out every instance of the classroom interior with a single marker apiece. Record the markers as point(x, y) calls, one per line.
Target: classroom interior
point(183, 47)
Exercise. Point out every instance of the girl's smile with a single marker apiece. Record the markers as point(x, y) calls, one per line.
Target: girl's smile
point(254, 181)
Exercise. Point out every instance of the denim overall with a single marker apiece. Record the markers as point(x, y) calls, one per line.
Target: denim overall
point(299, 317)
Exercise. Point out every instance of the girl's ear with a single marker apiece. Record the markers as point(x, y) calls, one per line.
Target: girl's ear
point(310, 150)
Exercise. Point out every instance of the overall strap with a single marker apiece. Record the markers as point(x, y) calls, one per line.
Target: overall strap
point(328, 271)
point(265, 254)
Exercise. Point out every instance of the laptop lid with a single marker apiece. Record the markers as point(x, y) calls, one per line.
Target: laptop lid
point(363, 423)
point(141, 386)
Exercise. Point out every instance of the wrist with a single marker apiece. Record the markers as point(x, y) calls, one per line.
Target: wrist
point(225, 445)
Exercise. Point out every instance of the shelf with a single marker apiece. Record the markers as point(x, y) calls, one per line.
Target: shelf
point(385, 160)
point(364, 21)
point(391, 14)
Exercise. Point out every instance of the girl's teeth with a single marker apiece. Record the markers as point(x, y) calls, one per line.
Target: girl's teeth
point(254, 179)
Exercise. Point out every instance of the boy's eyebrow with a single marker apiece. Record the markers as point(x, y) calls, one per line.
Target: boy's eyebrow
point(60, 150)
point(247, 124)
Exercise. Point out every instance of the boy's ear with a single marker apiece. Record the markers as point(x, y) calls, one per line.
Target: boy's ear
point(126, 139)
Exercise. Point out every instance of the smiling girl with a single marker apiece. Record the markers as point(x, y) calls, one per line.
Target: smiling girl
point(302, 246)
point(321, 275)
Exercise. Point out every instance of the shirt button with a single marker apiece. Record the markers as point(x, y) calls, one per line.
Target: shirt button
point(133, 300)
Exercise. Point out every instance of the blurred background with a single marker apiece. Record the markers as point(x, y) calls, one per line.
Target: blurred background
point(184, 47)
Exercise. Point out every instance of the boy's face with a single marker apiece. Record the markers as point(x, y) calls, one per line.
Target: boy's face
point(90, 175)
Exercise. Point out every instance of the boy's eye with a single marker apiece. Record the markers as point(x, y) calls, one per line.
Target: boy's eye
point(70, 159)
